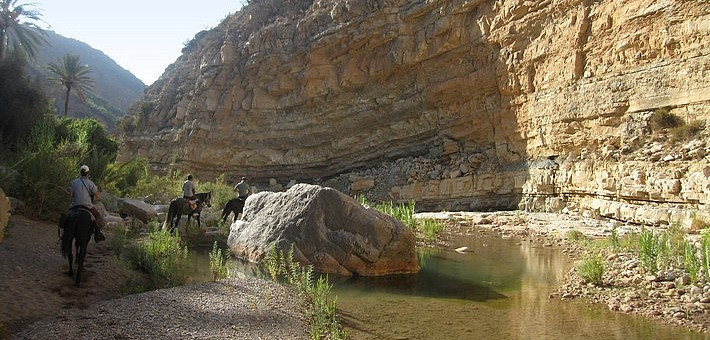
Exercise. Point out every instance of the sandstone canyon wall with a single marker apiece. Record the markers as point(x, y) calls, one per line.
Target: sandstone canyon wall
point(465, 104)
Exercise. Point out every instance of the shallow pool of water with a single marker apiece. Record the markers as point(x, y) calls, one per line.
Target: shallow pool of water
point(498, 289)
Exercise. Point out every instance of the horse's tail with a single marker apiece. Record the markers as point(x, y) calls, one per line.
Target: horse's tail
point(171, 214)
point(68, 235)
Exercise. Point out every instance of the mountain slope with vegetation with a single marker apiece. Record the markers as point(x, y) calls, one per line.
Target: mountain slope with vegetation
point(115, 87)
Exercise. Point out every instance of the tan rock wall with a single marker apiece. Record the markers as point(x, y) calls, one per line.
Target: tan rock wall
point(300, 89)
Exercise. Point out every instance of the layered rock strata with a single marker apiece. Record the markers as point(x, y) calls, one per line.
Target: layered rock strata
point(553, 96)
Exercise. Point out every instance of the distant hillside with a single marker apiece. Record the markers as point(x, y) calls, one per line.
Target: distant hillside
point(115, 88)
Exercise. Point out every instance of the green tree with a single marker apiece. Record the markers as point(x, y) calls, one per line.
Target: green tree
point(22, 104)
point(18, 28)
point(70, 73)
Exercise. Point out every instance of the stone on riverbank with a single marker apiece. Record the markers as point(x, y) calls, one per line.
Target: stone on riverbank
point(327, 229)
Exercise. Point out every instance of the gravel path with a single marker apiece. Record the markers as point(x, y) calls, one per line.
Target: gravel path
point(38, 301)
point(231, 309)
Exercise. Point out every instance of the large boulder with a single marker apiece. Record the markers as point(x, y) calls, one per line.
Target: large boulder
point(327, 229)
point(138, 209)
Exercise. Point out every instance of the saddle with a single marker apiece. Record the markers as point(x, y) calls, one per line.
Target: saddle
point(193, 204)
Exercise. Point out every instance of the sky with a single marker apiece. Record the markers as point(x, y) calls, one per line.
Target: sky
point(143, 37)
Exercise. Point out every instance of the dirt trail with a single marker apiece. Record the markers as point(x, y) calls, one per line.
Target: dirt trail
point(33, 282)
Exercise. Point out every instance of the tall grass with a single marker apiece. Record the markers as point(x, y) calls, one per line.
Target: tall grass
point(649, 250)
point(404, 212)
point(325, 324)
point(162, 256)
point(218, 263)
point(691, 262)
point(705, 251)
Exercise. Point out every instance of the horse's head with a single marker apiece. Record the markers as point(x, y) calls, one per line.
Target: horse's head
point(207, 199)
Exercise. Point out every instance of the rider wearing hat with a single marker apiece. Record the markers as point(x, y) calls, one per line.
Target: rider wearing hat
point(83, 193)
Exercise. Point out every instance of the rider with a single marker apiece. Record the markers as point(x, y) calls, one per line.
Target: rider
point(83, 192)
point(243, 189)
point(188, 192)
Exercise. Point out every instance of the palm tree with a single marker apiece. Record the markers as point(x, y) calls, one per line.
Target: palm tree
point(71, 74)
point(16, 35)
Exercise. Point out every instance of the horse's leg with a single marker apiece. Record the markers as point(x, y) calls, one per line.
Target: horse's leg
point(225, 213)
point(81, 254)
point(177, 223)
point(70, 257)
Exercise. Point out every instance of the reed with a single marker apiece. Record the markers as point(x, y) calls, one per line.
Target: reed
point(691, 262)
point(218, 263)
point(649, 250)
point(325, 323)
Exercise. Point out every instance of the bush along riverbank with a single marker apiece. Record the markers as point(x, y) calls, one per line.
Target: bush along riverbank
point(659, 273)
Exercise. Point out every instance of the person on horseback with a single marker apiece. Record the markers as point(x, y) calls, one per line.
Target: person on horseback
point(188, 192)
point(83, 193)
point(243, 189)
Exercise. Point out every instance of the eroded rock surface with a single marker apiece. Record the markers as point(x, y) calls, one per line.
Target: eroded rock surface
point(485, 93)
point(327, 229)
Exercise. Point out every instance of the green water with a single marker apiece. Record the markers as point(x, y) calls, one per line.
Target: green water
point(499, 289)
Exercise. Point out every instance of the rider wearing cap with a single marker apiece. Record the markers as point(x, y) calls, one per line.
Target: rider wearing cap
point(83, 192)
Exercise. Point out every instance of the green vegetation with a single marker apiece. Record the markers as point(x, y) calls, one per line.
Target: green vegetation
point(650, 250)
point(70, 74)
point(218, 263)
point(658, 250)
point(404, 212)
point(325, 324)
point(575, 235)
point(591, 269)
point(663, 119)
point(19, 32)
point(162, 256)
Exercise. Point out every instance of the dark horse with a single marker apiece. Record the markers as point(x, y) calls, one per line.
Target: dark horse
point(78, 228)
point(180, 206)
point(235, 205)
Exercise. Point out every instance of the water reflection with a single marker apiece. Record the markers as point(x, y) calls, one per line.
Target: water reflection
point(499, 289)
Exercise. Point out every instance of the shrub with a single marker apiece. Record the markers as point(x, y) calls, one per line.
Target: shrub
point(688, 131)
point(698, 223)
point(663, 119)
point(575, 235)
point(591, 269)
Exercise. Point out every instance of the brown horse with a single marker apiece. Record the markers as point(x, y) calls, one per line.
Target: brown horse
point(180, 206)
point(235, 205)
point(78, 228)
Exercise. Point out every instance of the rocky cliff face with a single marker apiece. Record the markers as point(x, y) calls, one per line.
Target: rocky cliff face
point(543, 104)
